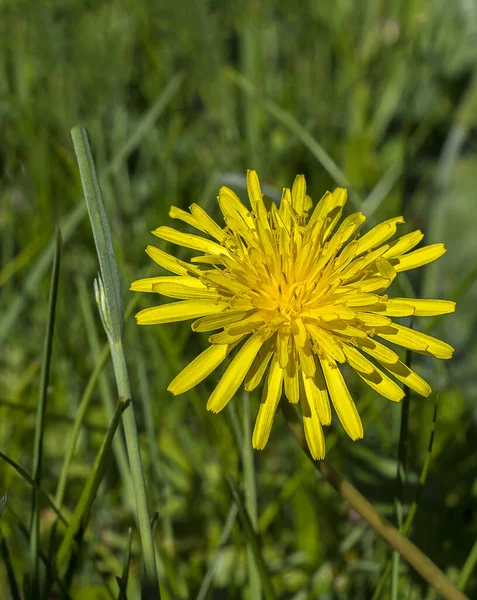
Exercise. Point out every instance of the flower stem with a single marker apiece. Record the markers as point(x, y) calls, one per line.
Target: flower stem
point(410, 553)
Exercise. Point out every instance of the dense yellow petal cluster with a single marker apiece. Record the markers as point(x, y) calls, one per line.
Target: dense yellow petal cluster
point(299, 295)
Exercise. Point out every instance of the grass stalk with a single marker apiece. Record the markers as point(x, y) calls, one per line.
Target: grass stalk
point(411, 553)
point(34, 574)
point(109, 302)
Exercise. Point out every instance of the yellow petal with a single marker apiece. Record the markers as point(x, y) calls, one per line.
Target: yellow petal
point(378, 235)
point(179, 311)
point(268, 406)
point(418, 258)
point(425, 308)
point(342, 401)
point(256, 198)
point(382, 384)
point(212, 322)
point(299, 332)
point(224, 337)
point(259, 366)
point(298, 194)
point(415, 340)
point(357, 360)
point(292, 382)
point(306, 359)
point(234, 210)
point(197, 370)
point(371, 320)
point(235, 374)
point(313, 430)
point(170, 263)
point(404, 244)
point(182, 215)
point(378, 351)
point(144, 285)
point(317, 395)
point(326, 341)
point(408, 377)
point(283, 346)
point(188, 240)
point(183, 287)
point(207, 224)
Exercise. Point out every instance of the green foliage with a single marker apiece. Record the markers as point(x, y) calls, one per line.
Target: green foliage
point(180, 98)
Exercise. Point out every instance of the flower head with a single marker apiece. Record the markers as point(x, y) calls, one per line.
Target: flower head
point(298, 295)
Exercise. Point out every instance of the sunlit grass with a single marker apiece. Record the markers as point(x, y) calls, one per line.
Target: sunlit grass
point(168, 92)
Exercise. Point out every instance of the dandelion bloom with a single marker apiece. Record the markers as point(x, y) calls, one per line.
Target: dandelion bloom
point(298, 295)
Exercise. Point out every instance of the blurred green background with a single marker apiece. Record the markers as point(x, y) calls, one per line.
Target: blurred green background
point(180, 98)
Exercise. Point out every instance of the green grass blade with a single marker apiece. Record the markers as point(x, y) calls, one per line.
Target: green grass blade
point(252, 538)
point(147, 121)
point(224, 536)
point(7, 561)
point(80, 415)
point(106, 393)
point(3, 502)
point(81, 514)
point(114, 313)
point(412, 511)
point(36, 274)
point(400, 481)
point(250, 489)
point(302, 134)
point(123, 580)
point(110, 306)
point(26, 477)
point(34, 573)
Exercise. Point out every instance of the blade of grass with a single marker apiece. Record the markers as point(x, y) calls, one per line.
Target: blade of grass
point(147, 121)
point(255, 592)
point(110, 305)
point(224, 536)
point(252, 538)
point(123, 580)
point(7, 561)
point(401, 479)
point(106, 394)
point(161, 482)
point(34, 575)
point(74, 218)
point(411, 553)
point(295, 127)
point(80, 415)
point(3, 501)
point(412, 511)
point(26, 477)
point(82, 511)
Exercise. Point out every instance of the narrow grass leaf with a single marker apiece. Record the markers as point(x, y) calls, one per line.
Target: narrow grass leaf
point(81, 514)
point(7, 561)
point(302, 134)
point(107, 290)
point(123, 580)
point(401, 480)
point(252, 538)
point(412, 511)
point(113, 314)
point(34, 575)
point(224, 537)
point(255, 592)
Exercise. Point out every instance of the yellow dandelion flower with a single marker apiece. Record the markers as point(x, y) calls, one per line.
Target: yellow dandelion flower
point(298, 295)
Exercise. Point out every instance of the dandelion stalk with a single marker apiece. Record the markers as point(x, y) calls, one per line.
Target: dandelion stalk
point(409, 552)
point(108, 297)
